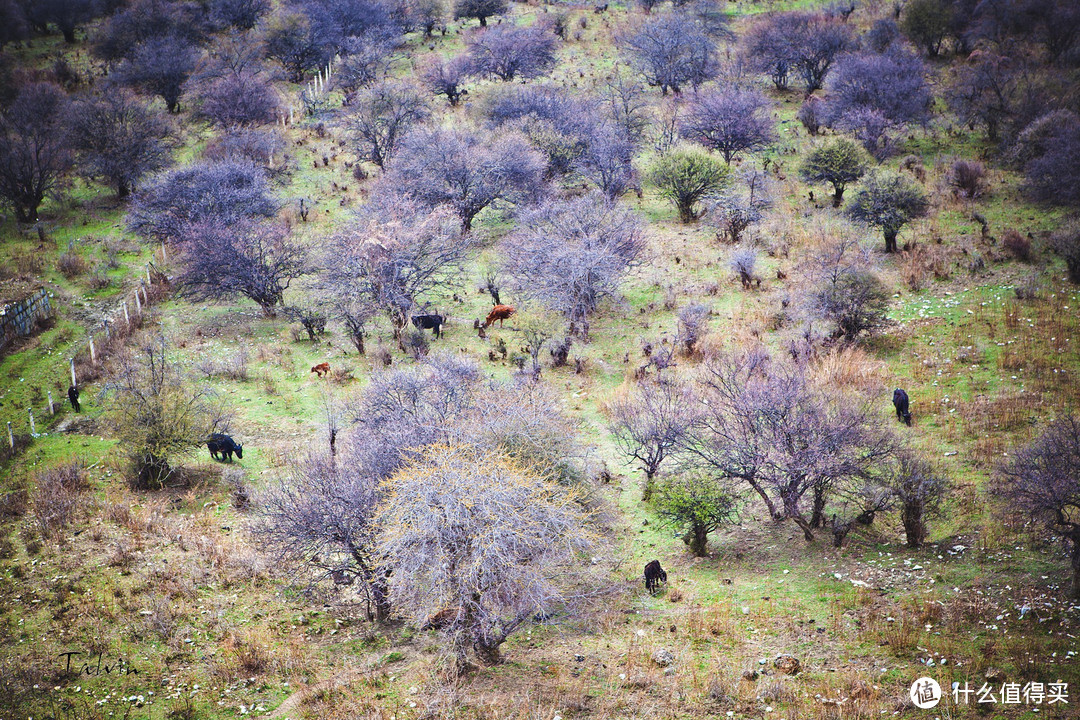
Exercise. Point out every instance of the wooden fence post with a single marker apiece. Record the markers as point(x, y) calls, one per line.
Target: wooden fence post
point(73, 383)
point(33, 428)
point(10, 437)
point(93, 355)
point(52, 410)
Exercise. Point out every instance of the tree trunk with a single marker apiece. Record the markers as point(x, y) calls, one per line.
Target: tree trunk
point(1074, 591)
point(773, 512)
point(801, 522)
point(890, 241)
point(151, 472)
point(123, 189)
point(699, 539)
point(646, 494)
point(838, 196)
point(914, 527)
point(483, 21)
point(69, 35)
point(487, 653)
point(817, 518)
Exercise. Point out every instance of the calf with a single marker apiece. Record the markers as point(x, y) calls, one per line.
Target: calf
point(429, 322)
point(654, 575)
point(900, 402)
point(223, 445)
point(73, 396)
point(500, 313)
point(321, 369)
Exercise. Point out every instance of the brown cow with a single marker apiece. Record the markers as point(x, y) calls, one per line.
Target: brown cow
point(321, 369)
point(500, 313)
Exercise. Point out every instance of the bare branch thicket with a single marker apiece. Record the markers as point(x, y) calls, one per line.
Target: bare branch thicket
point(391, 258)
point(256, 260)
point(482, 540)
point(649, 423)
point(321, 515)
point(1042, 479)
point(570, 254)
point(156, 412)
point(381, 114)
point(737, 209)
point(464, 171)
point(761, 424)
point(224, 192)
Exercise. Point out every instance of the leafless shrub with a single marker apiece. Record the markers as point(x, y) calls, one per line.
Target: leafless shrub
point(57, 498)
point(515, 546)
point(647, 423)
point(1017, 245)
point(692, 326)
point(967, 177)
point(742, 263)
point(1043, 479)
point(71, 264)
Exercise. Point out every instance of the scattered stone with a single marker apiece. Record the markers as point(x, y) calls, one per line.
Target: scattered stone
point(750, 675)
point(663, 657)
point(787, 664)
point(994, 674)
point(579, 658)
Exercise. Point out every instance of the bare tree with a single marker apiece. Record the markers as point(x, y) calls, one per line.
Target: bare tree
point(729, 120)
point(570, 254)
point(256, 260)
point(510, 545)
point(799, 43)
point(671, 51)
point(34, 148)
point(241, 14)
point(464, 171)
point(160, 65)
point(239, 99)
point(648, 423)
point(627, 106)
point(381, 115)
point(445, 77)
point(920, 488)
point(1043, 479)
point(737, 209)
point(223, 192)
point(855, 302)
point(118, 139)
point(762, 424)
point(156, 412)
point(390, 258)
point(322, 514)
point(369, 59)
point(508, 52)
point(606, 160)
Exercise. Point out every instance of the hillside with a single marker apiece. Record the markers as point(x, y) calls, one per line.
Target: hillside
point(216, 589)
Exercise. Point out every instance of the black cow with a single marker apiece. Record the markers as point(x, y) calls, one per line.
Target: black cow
point(73, 396)
point(223, 445)
point(429, 322)
point(900, 402)
point(654, 575)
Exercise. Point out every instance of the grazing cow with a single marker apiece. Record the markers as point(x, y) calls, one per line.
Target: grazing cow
point(223, 445)
point(73, 396)
point(900, 402)
point(429, 322)
point(654, 575)
point(321, 369)
point(500, 313)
